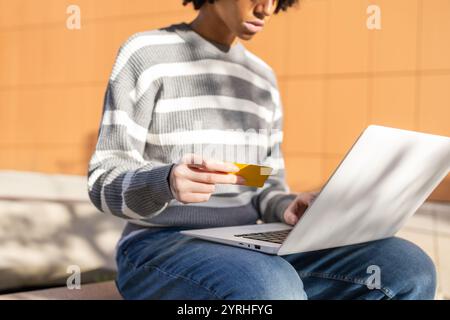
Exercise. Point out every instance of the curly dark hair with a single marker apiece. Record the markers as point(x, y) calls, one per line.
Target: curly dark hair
point(282, 4)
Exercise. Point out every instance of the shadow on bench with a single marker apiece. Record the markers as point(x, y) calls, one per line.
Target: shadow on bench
point(95, 291)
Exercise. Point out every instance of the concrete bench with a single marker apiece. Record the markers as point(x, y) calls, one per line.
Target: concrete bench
point(47, 225)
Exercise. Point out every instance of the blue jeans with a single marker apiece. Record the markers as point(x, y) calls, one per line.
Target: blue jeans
point(163, 264)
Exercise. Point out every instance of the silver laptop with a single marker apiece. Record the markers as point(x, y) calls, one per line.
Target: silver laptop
point(382, 181)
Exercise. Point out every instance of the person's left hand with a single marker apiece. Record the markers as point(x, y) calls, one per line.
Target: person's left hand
point(298, 207)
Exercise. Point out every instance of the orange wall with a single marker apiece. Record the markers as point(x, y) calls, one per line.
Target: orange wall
point(336, 76)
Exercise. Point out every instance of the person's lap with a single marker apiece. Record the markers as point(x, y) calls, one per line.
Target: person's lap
point(164, 264)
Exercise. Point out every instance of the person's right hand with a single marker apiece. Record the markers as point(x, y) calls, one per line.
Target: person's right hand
point(193, 179)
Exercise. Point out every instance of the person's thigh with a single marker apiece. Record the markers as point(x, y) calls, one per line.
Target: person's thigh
point(168, 265)
point(351, 272)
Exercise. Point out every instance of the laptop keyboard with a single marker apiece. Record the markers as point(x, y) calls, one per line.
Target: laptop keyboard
point(272, 236)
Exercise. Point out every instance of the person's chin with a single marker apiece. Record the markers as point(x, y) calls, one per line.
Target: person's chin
point(246, 36)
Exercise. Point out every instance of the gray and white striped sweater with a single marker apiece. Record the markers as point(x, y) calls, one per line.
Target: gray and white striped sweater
point(173, 92)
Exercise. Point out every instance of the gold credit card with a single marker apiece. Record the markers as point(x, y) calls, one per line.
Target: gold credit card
point(254, 175)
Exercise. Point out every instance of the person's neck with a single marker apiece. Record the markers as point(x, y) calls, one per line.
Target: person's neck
point(212, 28)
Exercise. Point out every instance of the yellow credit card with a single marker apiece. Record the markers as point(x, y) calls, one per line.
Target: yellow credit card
point(254, 175)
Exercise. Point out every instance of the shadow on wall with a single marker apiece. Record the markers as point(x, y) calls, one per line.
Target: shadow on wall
point(90, 144)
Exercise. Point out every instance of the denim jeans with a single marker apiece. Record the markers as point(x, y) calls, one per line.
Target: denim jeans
point(164, 264)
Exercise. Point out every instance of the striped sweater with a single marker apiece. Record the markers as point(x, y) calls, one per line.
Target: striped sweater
point(173, 92)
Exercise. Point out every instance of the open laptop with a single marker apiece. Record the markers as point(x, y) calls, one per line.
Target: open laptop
point(384, 178)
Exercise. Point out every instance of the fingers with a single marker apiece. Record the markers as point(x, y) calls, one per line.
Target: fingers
point(193, 197)
point(187, 191)
point(210, 171)
point(298, 207)
point(198, 161)
point(214, 177)
point(195, 187)
point(309, 197)
point(193, 180)
point(220, 166)
point(193, 192)
point(313, 197)
point(290, 217)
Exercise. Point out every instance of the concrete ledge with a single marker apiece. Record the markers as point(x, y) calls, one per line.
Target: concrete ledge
point(19, 185)
point(96, 291)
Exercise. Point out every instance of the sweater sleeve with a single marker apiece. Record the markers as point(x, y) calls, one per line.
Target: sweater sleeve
point(273, 199)
point(120, 180)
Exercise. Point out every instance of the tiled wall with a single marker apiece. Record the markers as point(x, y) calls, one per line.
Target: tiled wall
point(336, 76)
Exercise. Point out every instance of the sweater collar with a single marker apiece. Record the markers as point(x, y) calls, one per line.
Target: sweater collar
point(185, 31)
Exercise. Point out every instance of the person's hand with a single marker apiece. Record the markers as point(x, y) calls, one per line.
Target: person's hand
point(298, 207)
point(193, 179)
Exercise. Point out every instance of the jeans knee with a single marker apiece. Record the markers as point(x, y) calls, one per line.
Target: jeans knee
point(278, 284)
point(416, 272)
point(424, 278)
